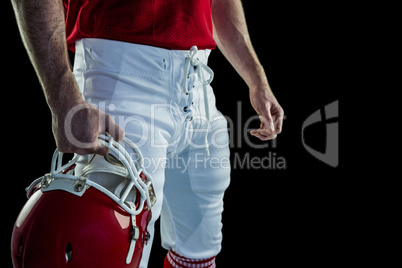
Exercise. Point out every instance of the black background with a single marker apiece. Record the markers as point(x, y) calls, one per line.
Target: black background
point(274, 216)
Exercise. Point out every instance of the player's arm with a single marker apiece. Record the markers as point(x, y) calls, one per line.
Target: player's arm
point(232, 37)
point(42, 27)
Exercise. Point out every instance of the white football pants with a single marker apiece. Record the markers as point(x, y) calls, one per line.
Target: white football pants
point(162, 100)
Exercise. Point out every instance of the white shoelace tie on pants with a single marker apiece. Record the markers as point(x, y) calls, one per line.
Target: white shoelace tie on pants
point(191, 60)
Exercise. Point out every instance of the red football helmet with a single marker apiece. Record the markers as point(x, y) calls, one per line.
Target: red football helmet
point(74, 221)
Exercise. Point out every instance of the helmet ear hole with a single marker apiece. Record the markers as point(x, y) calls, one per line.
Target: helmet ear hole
point(20, 246)
point(69, 252)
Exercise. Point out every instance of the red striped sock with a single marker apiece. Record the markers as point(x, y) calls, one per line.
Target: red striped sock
point(174, 260)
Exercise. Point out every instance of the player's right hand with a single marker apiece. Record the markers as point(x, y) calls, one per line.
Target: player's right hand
point(77, 125)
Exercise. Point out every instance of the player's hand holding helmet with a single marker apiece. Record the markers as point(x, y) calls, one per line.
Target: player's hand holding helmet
point(73, 221)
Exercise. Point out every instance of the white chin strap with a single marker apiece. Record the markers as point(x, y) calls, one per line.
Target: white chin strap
point(61, 177)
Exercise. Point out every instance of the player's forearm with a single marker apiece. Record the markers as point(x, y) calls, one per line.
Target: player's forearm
point(42, 27)
point(232, 37)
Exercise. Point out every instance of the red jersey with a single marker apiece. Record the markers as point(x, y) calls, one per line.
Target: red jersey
point(172, 24)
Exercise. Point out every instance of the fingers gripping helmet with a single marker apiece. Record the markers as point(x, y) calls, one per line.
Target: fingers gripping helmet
point(73, 221)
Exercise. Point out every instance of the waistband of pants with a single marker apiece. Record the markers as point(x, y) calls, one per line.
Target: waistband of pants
point(138, 51)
